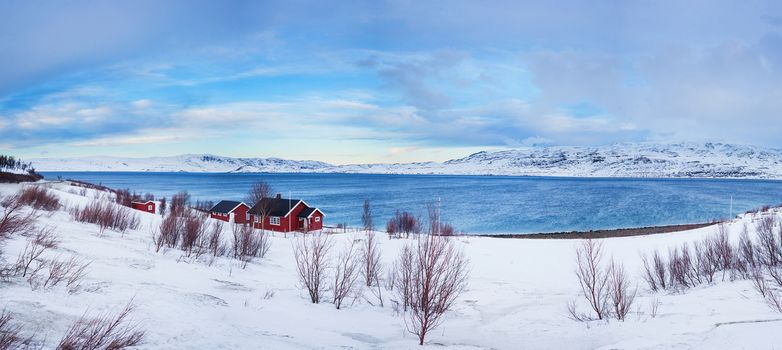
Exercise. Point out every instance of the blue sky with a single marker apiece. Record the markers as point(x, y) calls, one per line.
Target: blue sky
point(376, 81)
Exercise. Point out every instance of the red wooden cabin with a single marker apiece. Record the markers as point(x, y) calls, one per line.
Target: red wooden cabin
point(285, 215)
point(148, 206)
point(230, 211)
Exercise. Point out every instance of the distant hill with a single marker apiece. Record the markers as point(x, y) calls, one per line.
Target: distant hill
point(681, 160)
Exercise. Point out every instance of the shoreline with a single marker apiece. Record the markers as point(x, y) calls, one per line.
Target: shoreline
point(607, 233)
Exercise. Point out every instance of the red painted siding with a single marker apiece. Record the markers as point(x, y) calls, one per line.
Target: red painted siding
point(148, 207)
point(240, 215)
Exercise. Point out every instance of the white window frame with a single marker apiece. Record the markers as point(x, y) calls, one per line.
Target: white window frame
point(274, 220)
point(149, 207)
point(317, 219)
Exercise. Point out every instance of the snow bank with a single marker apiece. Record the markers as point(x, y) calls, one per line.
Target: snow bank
point(516, 299)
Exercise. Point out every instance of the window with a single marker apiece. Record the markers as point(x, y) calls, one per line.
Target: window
point(247, 216)
point(274, 220)
point(317, 219)
point(150, 207)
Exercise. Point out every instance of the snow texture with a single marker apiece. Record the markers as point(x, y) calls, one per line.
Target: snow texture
point(517, 297)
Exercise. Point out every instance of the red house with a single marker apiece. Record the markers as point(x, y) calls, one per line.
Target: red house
point(285, 215)
point(148, 206)
point(230, 211)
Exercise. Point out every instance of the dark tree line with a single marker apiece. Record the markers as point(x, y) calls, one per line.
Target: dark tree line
point(11, 163)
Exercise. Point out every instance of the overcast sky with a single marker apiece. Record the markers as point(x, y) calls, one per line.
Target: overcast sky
point(374, 81)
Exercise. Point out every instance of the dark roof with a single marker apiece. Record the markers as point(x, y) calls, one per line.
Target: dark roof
point(306, 212)
point(225, 207)
point(276, 206)
point(138, 202)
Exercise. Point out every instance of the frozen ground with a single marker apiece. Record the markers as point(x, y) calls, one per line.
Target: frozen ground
point(517, 298)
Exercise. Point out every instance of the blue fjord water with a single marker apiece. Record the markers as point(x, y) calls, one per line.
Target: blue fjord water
point(477, 204)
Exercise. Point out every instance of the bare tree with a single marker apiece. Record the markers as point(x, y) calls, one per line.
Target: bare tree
point(179, 202)
point(346, 273)
point(162, 207)
point(621, 294)
point(312, 258)
point(768, 246)
point(366, 217)
point(370, 259)
point(249, 244)
point(403, 223)
point(439, 277)
point(258, 191)
point(593, 280)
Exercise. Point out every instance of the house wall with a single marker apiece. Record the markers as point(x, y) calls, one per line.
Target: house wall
point(283, 226)
point(240, 215)
point(316, 221)
point(144, 207)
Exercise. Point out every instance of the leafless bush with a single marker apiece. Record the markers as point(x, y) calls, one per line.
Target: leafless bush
point(654, 307)
point(769, 250)
point(346, 273)
point(366, 217)
point(370, 259)
point(402, 224)
point(42, 241)
point(162, 206)
point(104, 332)
point(107, 215)
point(11, 334)
point(621, 294)
point(168, 232)
point(439, 276)
point(71, 272)
point(249, 243)
point(192, 232)
point(13, 221)
point(593, 280)
point(124, 198)
point(655, 273)
point(746, 260)
point(179, 203)
point(312, 257)
point(403, 271)
point(215, 244)
point(38, 198)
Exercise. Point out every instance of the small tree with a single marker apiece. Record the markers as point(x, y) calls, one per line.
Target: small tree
point(258, 191)
point(366, 217)
point(403, 223)
point(163, 206)
point(593, 280)
point(439, 276)
point(346, 273)
point(621, 294)
point(311, 252)
point(370, 259)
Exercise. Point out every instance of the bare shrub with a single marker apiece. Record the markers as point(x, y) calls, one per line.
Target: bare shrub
point(311, 252)
point(439, 276)
point(179, 202)
point(192, 232)
point(11, 334)
point(593, 280)
point(746, 260)
point(346, 273)
point(370, 259)
point(162, 206)
point(769, 251)
point(215, 244)
point(402, 224)
point(168, 232)
point(249, 244)
point(13, 221)
point(621, 294)
point(104, 332)
point(38, 198)
point(42, 241)
point(107, 215)
point(402, 275)
point(367, 220)
point(71, 272)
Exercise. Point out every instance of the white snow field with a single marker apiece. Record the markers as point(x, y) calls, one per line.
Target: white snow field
point(516, 299)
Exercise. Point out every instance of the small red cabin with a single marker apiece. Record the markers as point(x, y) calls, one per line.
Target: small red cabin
point(148, 206)
point(285, 215)
point(230, 211)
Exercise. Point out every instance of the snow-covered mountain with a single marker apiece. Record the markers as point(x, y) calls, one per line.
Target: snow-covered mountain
point(620, 160)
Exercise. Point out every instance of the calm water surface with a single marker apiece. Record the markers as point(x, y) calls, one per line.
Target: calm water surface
point(477, 204)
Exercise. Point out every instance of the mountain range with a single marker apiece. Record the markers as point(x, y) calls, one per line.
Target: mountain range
point(679, 160)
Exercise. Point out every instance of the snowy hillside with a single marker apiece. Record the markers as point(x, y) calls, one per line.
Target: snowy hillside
point(516, 299)
point(185, 163)
point(621, 160)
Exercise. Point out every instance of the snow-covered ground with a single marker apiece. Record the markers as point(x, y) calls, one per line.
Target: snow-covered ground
point(517, 297)
point(715, 160)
